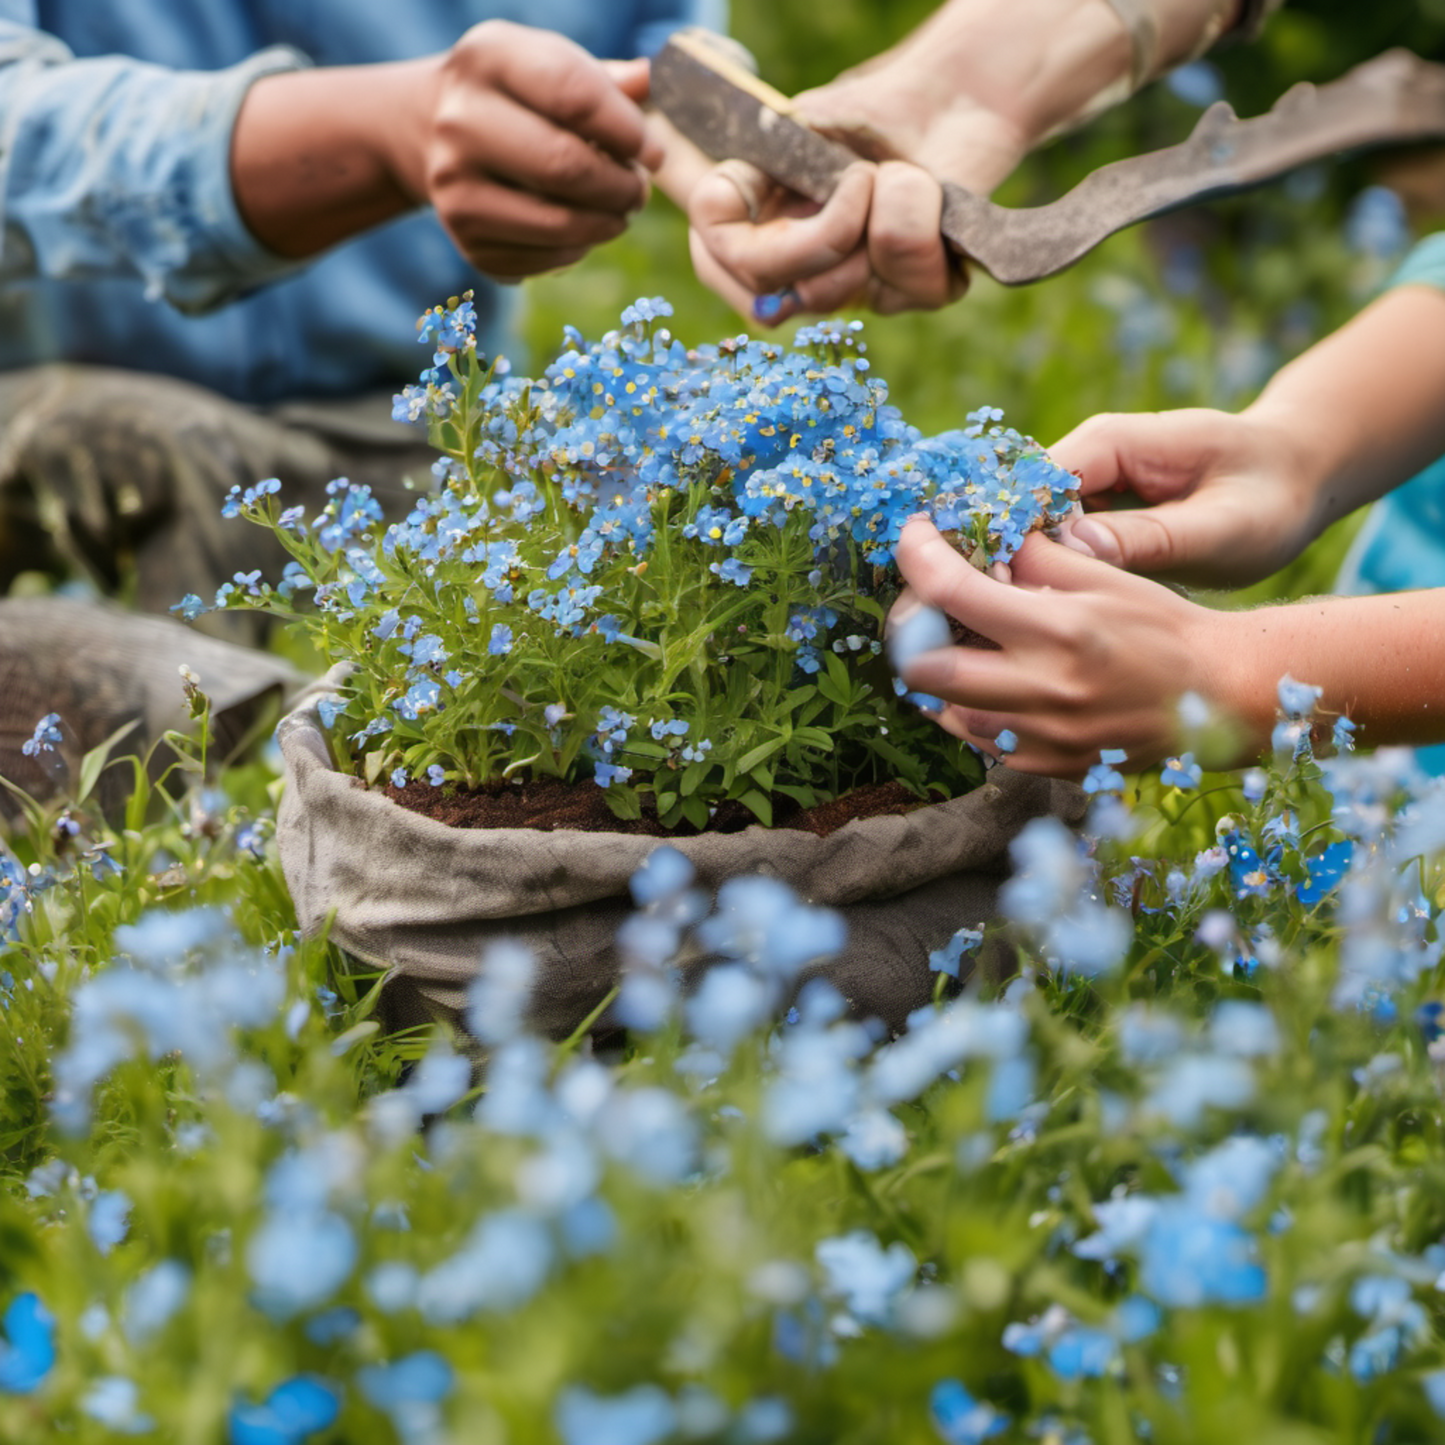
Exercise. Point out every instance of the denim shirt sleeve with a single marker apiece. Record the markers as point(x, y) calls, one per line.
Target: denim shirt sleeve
point(657, 19)
point(116, 167)
point(1425, 265)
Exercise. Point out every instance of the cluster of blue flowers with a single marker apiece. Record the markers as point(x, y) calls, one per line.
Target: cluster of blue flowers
point(616, 534)
point(758, 430)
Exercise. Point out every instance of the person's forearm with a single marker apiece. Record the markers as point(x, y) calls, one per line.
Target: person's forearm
point(1040, 63)
point(1366, 406)
point(315, 153)
point(1380, 661)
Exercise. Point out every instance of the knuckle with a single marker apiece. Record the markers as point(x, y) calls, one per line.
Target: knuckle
point(483, 47)
point(979, 724)
point(746, 267)
point(898, 246)
point(444, 172)
point(599, 229)
point(1068, 630)
point(565, 163)
point(571, 229)
point(1160, 549)
point(1068, 691)
point(576, 88)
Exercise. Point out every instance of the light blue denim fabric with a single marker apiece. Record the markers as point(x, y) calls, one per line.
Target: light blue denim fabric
point(119, 236)
point(1401, 547)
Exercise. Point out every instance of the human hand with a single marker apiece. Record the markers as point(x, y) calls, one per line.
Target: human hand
point(1090, 657)
point(1228, 498)
point(530, 150)
point(876, 243)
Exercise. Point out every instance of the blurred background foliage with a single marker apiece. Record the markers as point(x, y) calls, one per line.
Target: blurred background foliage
point(1196, 309)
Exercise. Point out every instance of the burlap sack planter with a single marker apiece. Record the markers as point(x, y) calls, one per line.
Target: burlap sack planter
point(422, 900)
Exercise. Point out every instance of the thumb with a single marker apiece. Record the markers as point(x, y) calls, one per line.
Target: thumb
point(1138, 540)
point(632, 77)
point(1202, 540)
point(1156, 455)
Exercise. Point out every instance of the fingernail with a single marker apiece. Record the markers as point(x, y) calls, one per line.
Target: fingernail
point(1073, 541)
point(776, 306)
point(907, 606)
point(1097, 541)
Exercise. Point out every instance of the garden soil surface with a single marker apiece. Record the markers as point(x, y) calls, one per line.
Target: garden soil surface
point(548, 804)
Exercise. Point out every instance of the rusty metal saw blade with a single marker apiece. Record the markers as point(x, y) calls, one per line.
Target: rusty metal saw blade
point(1393, 99)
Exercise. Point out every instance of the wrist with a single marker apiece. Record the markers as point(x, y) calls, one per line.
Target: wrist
point(1308, 450)
point(1239, 672)
point(318, 156)
point(960, 60)
point(399, 123)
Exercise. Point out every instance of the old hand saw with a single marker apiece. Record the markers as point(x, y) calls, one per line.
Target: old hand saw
point(728, 113)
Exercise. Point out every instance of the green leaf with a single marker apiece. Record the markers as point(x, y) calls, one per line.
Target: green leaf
point(813, 738)
point(665, 803)
point(181, 745)
point(803, 797)
point(806, 715)
point(900, 760)
point(761, 753)
point(647, 649)
point(624, 801)
point(140, 796)
point(34, 812)
point(842, 695)
point(645, 749)
point(695, 811)
point(343, 1043)
point(93, 764)
point(692, 776)
point(837, 672)
point(570, 1043)
point(759, 804)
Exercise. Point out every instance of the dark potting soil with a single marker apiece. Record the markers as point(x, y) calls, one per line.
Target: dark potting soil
point(548, 804)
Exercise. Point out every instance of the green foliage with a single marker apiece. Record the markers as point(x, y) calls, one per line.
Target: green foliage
point(926, 1231)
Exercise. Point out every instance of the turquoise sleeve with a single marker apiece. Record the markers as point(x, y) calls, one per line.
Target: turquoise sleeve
point(1425, 265)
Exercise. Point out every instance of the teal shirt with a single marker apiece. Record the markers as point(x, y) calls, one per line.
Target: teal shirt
point(1402, 545)
point(1425, 264)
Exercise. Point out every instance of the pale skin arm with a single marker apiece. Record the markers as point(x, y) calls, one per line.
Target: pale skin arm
point(1096, 658)
point(1233, 498)
point(531, 151)
point(963, 98)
